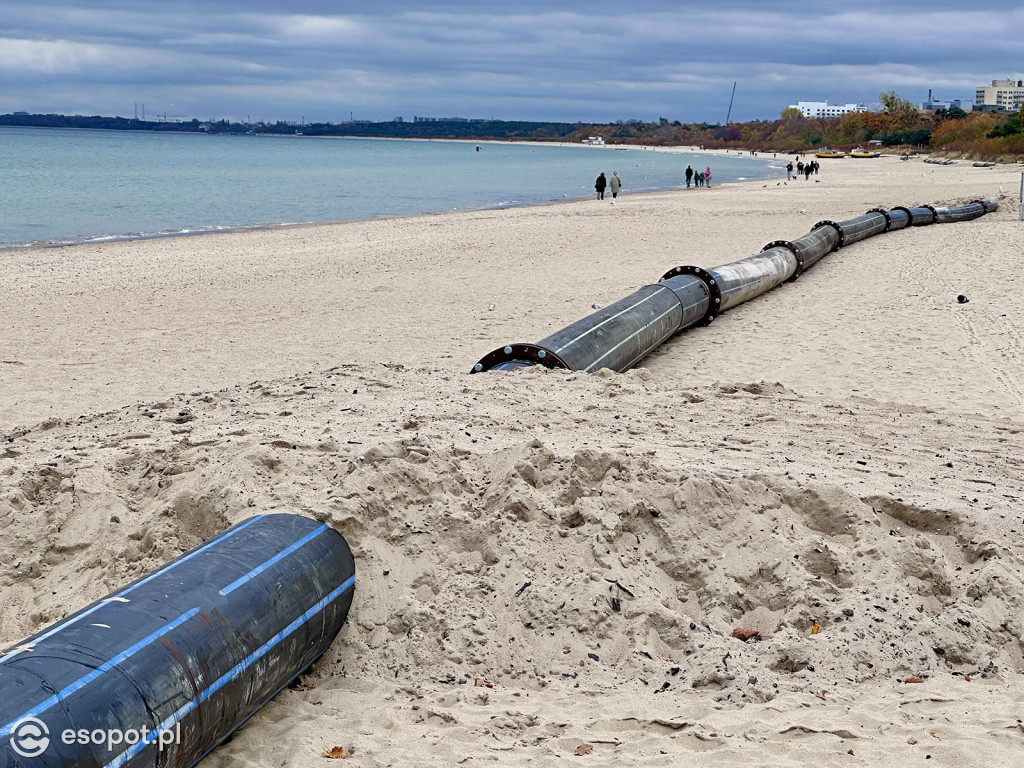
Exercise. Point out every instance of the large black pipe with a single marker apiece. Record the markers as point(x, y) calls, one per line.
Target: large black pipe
point(622, 334)
point(162, 671)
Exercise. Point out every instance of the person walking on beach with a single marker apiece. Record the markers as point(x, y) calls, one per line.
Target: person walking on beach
point(615, 183)
point(599, 185)
point(807, 171)
point(707, 176)
point(789, 171)
point(689, 176)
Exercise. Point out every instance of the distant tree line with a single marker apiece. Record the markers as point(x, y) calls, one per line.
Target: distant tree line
point(982, 135)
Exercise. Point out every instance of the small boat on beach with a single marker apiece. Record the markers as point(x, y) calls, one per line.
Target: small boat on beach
point(829, 153)
point(860, 152)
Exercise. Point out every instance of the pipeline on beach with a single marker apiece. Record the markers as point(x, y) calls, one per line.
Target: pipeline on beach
point(622, 334)
point(165, 669)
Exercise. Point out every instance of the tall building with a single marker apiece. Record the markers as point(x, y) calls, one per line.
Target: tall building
point(1001, 95)
point(824, 109)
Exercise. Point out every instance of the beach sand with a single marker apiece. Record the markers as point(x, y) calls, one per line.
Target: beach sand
point(842, 452)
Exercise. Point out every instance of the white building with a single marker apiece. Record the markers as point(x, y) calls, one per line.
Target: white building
point(1002, 94)
point(824, 109)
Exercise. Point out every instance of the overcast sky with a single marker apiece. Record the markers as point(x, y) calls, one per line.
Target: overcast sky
point(590, 60)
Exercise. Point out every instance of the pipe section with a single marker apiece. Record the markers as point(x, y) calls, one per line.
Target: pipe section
point(967, 212)
point(162, 671)
point(622, 334)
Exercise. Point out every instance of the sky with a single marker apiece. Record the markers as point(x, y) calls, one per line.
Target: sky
point(591, 60)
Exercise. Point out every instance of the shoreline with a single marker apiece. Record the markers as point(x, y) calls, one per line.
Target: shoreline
point(118, 238)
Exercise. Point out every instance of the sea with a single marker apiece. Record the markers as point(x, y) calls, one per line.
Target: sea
point(67, 186)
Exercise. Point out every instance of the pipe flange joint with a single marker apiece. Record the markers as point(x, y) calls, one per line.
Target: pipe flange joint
point(888, 218)
point(910, 216)
point(533, 353)
point(985, 204)
point(714, 289)
point(935, 212)
point(836, 227)
point(796, 252)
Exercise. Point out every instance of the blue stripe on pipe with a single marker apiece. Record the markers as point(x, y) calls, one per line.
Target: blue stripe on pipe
point(17, 652)
point(227, 677)
point(250, 715)
point(122, 593)
point(100, 670)
point(203, 548)
point(279, 556)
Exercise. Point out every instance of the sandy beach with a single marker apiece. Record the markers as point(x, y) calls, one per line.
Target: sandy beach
point(842, 453)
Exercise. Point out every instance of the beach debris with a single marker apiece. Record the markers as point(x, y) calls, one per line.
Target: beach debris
point(961, 299)
point(848, 612)
point(595, 306)
point(746, 633)
point(820, 695)
point(593, 656)
point(302, 686)
point(584, 749)
point(850, 752)
point(934, 735)
point(816, 628)
point(914, 679)
point(911, 740)
point(523, 588)
point(116, 519)
point(335, 753)
point(480, 682)
point(617, 584)
point(490, 307)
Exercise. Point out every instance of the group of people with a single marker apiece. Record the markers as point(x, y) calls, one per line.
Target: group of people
point(613, 185)
point(699, 178)
point(802, 169)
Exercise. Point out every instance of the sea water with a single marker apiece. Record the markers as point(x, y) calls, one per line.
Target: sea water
point(62, 186)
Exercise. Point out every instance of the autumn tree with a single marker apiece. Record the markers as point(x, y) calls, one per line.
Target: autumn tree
point(904, 113)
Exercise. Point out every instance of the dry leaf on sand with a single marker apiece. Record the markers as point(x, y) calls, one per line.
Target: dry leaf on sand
point(914, 679)
point(335, 753)
point(584, 749)
point(479, 682)
point(911, 740)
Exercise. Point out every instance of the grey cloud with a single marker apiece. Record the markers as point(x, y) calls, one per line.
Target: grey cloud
point(529, 60)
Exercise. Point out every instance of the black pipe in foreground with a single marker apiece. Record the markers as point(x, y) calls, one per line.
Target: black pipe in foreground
point(621, 334)
point(162, 671)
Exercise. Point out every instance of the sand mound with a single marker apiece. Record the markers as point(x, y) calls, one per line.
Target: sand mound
point(585, 545)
